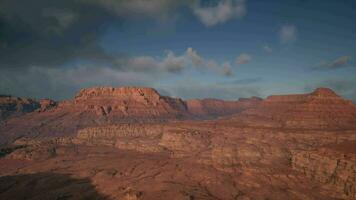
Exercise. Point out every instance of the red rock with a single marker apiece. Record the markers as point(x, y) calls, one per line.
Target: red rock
point(321, 109)
point(47, 104)
point(285, 148)
point(130, 102)
point(108, 105)
point(210, 108)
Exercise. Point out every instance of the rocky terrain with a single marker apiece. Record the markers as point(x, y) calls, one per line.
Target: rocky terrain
point(321, 109)
point(106, 105)
point(265, 150)
point(210, 108)
point(15, 106)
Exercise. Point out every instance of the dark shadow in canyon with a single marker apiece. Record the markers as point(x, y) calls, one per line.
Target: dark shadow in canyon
point(44, 186)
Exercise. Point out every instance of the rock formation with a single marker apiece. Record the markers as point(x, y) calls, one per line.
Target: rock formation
point(130, 102)
point(321, 109)
point(211, 108)
point(268, 151)
point(93, 107)
point(106, 105)
point(15, 106)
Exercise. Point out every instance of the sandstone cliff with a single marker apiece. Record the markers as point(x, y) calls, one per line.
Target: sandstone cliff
point(95, 107)
point(267, 152)
point(321, 109)
point(107, 105)
point(292, 164)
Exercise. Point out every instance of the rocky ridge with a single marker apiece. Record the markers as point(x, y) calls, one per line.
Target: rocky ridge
point(321, 109)
point(251, 155)
point(107, 105)
point(16, 106)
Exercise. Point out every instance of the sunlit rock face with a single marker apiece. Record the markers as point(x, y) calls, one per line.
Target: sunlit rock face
point(255, 154)
point(107, 105)
point(94, 107)
point(321, 109)
point(130, 102)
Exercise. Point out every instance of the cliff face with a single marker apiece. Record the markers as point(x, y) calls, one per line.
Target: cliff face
point(107, 105)
point(288, 147)
point(321, 109)
point(206, 108)
point(132, 102)
point(15, 106)
point(95, 107)
point(335, 169)
point(278, 164)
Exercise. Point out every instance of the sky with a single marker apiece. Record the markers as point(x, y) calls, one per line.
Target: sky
point(223, 49)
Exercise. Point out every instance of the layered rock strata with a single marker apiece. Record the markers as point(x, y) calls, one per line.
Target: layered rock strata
point(321, 109)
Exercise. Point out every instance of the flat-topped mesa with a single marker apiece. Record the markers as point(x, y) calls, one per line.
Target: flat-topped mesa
point(121, 93)
point(325, 93)
point(322, 108)
point(319, 93)
point(129, 102)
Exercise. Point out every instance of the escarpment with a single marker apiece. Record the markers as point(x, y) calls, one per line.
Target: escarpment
point(321, 109)
point(130, 144)
point(99, 106)
point(130, 102)
point(94, 107)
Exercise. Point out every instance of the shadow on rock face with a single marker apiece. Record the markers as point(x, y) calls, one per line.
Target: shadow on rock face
point(41, 186)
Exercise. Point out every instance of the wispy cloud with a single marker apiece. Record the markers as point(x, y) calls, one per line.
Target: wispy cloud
point(267, 49)
point(245, 81)
point(191, 90)
point(220, 13)
point(173, 63)
point(243, 59)
point(194, 57)
point(288, 34)
point(227, 69)
point(339, 62)
point(63, 83)
point(159, 9)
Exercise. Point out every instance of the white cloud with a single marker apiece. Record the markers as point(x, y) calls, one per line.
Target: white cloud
point(339, 62)
point(222, 12)
point(288, 34)
point(194, 57)
point(175, 63)
point(267, 49)
point(142, 63)
point(170, 63)
point(243, 59)
point(227, 69)
point(191, 89)
point(62, 83)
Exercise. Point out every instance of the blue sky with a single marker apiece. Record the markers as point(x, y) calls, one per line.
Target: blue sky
point(190, 49)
